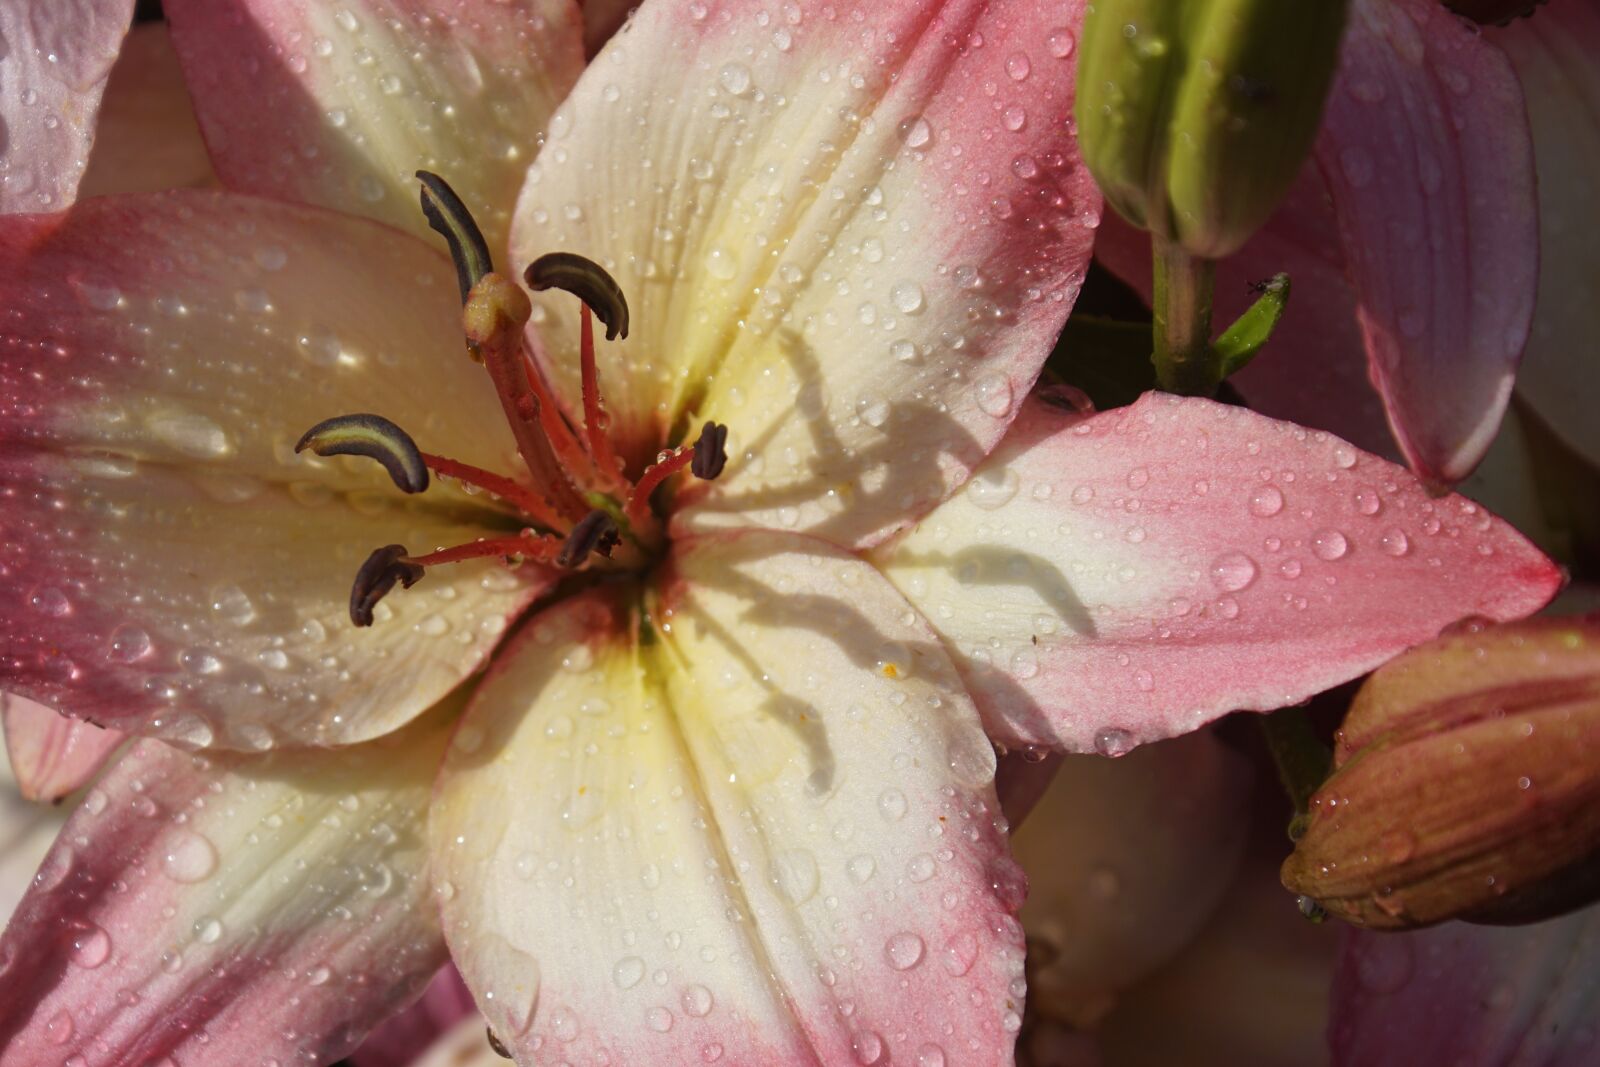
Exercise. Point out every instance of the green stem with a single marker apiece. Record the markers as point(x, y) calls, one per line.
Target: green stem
point(1303, 761)
point(1183, 357)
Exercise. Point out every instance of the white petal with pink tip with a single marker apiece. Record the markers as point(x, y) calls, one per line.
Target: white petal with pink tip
point(168, 564)
point(339, 104)
point(849, 231)
point(227, 909)
point(767, 835)
point(1113, 579)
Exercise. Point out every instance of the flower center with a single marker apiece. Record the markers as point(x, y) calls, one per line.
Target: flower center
point(579, 507)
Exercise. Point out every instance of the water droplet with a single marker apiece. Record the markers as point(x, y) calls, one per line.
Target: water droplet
point(868, 1047)
point(1233, 571)
point(659, 1020)
point(917, 133)
point(993, 487)
point(903, 951)
point(628, 972)
point(1394, 542)
point(1113, 742)
point(59, 1028)
point(1367, 501)
point(1061, 43)
point(1017, 66)
point(795, 871)
point(90, 946)
point(994, 395)
point(1266, 501)
point(696, 1001)
point(960, 953)
point(930, 1056)
point(1398, 845)
point(189, 858)
point(892, 805)
point(50, 601)
point(906, 297)
point(861, 868)
point(734, 78)
point(1329, 544)
point(920, 867)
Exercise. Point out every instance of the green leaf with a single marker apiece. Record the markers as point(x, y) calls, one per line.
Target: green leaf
point(1240, 342)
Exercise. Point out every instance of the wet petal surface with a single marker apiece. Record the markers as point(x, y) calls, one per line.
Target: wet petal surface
point(767, 835)
point(52, 755)
point(340, 104)
point(54, 61)
point(227, 909)
point(163, 545)
point(850, 232)
point(1114, 579)
point(1426, 151)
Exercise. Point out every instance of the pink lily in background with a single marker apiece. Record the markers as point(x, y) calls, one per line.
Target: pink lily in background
point(728, 796)
point(1416, 233)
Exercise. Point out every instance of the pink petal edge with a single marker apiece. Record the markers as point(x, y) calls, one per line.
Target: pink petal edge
point(51, 754)
point(1426, 151)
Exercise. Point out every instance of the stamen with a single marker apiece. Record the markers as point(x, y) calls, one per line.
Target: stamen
point(498, 485)
point(598, 532)
point(449, 218)
point(386, 566)
point(563, 441)
point(495, 314)
point(376, 438)
point(523, 546)
point(586, 280)
point(710, 451)
point(495, 1044)
point(638, 507)
point(595, 420)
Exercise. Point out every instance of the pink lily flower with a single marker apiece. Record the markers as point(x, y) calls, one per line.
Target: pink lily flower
point(728, 796)
point(1479, 996)
point(1415, 233)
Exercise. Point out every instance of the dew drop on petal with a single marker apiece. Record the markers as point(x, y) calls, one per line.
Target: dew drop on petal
point(904, 951)
point(1233, 571)
point(1266, 501)
point(1329, 544)
point(189, 858)
point(1113, 742)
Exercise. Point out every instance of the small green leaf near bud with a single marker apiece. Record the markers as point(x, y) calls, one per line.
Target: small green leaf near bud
point(1240, 342)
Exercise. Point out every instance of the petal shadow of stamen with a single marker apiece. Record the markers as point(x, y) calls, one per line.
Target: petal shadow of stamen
point(801, 717)
point(835, 466)
point(991, 565)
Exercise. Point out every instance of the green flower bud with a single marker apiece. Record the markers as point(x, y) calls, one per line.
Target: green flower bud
point(1196, 116)
point(1466, 784)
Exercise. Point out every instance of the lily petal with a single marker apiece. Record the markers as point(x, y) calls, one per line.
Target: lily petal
point(52, 755)
point(1115, 579)
point(340, 104)
point(1426, 151)
point(1555, 59)
point(764, 834)
point(26, 833)
point(1477, 996)
point(161, 542)
point(54, 61)
point(146, 139)
point(851, 233)
point(433, 1019)
point(228, 909)
point(1126, 861)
